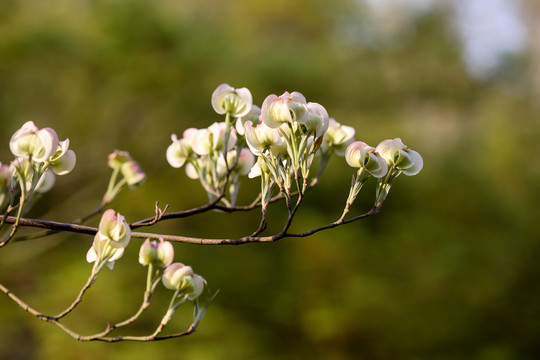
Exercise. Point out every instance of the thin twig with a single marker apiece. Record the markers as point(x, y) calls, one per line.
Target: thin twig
point(96, 337)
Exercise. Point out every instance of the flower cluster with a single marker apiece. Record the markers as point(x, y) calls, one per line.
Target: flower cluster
point(39, 157)
point(175, 276)
point(213, 155)
point(385, 162)
point(284, 137)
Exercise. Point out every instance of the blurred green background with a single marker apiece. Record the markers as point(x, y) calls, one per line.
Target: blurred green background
point(448, 269)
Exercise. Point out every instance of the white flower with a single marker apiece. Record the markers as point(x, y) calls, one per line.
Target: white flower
point(361, 155)
point(29, 140)
point(111, 239)
point(315, 119)
point(226, 99)
point(63, 160)
point(114, 227)
point(287, 108)
point(338, 137)
point(398, 155)
point(181, 149)
point(261, 137)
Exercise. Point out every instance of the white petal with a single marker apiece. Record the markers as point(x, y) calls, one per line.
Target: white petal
point(418, 163)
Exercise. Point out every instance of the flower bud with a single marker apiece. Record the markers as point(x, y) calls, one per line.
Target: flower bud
point(40, 144)
point(117, 158)
point(129, 168)
point(158, 253)
point(180, 277)
point(226, 99)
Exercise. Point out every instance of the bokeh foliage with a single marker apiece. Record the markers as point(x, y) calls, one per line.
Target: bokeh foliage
point(447, 270)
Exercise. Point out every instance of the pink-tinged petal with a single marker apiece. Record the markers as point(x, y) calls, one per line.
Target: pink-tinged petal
point(355, 153)
point(275, 111)
point(245, 162)
point(107, 222)
point(295, 96)
point(397, 145)
point(165, 253)
point(190, 134)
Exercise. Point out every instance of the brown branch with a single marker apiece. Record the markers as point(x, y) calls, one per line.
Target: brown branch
point(52, 225)
point(191, 240)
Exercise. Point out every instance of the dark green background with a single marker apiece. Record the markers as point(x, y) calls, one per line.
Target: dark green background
point(448, 269)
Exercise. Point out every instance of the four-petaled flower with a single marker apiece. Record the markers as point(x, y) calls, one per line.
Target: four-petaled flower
point(29, 140)
point(261, 137)
point(399, 156)
point(287, 108)
point(361, 155)
point(227, 99)
point(111, 239)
